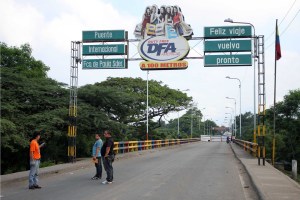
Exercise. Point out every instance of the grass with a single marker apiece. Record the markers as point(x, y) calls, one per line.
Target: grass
point(47, 164)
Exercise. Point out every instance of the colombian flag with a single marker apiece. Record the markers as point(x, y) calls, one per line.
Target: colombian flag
point(277, 45)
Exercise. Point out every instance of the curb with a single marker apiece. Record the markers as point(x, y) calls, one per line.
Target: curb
point(67, 167)
point(260, 193)
point(22, 176)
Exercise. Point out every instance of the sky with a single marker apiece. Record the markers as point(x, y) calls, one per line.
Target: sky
point(50, 26)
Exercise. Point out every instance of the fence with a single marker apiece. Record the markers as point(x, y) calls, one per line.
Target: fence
point(130, 146)
point(248, 146)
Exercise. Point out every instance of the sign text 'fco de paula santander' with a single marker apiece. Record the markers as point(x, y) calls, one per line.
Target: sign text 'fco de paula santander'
point(163, 33)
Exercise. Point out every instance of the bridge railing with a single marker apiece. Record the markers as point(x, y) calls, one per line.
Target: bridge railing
point(248, 146)
point(130, 146)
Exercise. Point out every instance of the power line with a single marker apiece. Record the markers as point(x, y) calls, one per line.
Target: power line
point(290, 23)
point(286, 14)
point(286, 28)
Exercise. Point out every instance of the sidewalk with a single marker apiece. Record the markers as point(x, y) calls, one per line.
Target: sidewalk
point(271, 184)
point(56, 169)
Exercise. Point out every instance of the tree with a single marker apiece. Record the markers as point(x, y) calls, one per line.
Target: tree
point(193, 115)
point(287, 127)
point(29, 101)
point(124, 99)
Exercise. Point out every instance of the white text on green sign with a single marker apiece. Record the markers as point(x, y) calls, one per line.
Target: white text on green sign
point(99, 36)
point(227, 31)
point(116, 49)
point(227, 45)
point(104, 64)
point(227, 60)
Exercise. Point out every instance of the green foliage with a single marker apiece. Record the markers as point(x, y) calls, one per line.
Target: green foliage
point(287, 133)
point(30, 101)
point(192, 118)
point(287, 127)
point(20, 60)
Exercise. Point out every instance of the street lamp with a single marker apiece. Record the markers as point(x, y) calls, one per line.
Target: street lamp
point(254, 56)
point(200, 120)
point(230, 120)
point(240, 86)
point(234, 128)
point(178, 115)
point(234, 113)
point(204, 123)
point(147, 106)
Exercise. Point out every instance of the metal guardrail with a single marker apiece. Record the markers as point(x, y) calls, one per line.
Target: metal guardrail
point(248, 146)
point(130, 146)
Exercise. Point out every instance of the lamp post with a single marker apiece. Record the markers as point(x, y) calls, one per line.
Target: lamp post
point(178, 125)
point(192, 123)
point(232, 118)
point(240, 86)
point(231, 124)
point(234, 113)
point(178, 134)
point(254, 56)
point(147, 106)
point(200, 120)
point(210, 127)
point(204, 124)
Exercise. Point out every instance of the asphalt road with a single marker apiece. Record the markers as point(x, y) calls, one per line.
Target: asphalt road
point(193, 171)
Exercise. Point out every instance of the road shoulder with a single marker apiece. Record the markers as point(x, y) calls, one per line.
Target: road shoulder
point(269, 182)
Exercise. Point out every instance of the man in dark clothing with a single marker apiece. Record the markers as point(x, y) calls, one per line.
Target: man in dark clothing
point(107, 153)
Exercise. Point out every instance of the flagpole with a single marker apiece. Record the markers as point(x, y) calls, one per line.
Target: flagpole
point(274, 117)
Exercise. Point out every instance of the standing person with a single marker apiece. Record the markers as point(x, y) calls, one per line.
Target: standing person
point(107, 152)
point(146, 20)
point(162, 15)
point(35, 159)
point(97, 157)
point(177, 19)
point(154, 15)
point(169, 16)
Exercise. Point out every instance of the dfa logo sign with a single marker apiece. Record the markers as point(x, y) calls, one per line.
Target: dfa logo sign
point(162, 49)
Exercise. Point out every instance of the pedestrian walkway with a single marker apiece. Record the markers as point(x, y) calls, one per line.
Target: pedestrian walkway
point(60, 168)
point(270, 183)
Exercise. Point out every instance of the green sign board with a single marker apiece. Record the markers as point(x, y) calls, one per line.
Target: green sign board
point(227, 45)
point(104, 64)
point(227, 60)
point(111, 49)
point(104, 36)
point(227, 31)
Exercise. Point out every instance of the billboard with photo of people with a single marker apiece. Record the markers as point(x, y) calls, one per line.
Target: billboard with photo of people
point(163, 33)
point(165, 21)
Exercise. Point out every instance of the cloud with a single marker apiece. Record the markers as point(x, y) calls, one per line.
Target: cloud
point(20, 23)
point(50, 27)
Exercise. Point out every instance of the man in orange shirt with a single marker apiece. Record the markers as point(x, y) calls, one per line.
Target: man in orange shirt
point(35, 157)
